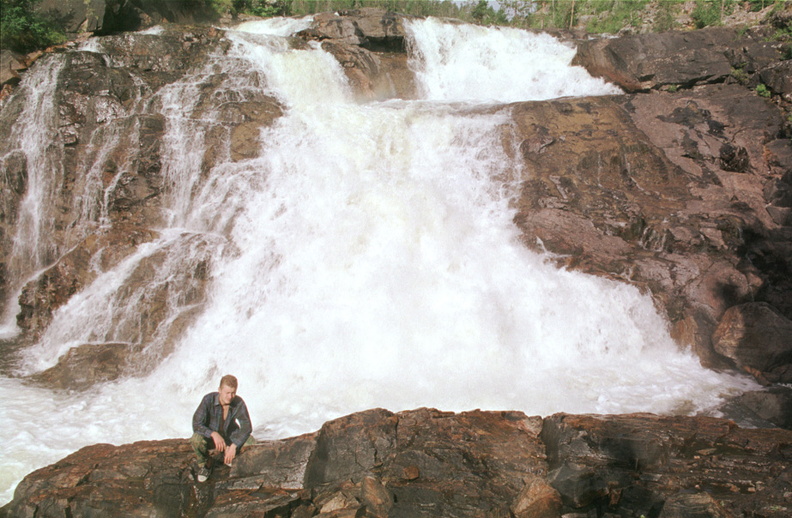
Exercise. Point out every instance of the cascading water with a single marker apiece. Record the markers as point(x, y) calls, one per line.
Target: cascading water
point(366, 257)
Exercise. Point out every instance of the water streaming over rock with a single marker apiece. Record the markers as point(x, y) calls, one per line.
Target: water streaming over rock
point(364, 257)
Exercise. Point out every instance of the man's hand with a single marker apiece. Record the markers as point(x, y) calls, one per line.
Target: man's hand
point(219, 442)
point(230, 453)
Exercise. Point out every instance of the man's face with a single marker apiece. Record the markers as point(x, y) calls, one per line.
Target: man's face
point(226, 394)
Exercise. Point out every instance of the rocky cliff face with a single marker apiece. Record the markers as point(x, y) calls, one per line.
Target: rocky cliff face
point(426, 463)
point(682, 188)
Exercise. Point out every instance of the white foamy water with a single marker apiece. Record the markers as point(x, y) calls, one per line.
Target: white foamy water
point(366, 258)
point(481, 64)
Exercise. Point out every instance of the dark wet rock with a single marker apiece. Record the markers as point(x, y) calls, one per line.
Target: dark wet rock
point(426, 463)
point(771, 407)
point(757, 337)
point(643, 464)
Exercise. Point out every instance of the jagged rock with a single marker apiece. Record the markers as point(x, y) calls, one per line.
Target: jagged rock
point(374, 75)
point(83, 366)
point(756, 336)
point(778, 77)
point(682, 59)
point(643, 464)
point(371, 28)
point(426, 463)
point(107, 16)
point(52, 288)
point(98, 101)
point(769, 407)
point(609, 189)
point(10, 66)
point(369, 44)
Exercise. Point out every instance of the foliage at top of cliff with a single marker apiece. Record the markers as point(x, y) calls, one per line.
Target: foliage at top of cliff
point(23, 29)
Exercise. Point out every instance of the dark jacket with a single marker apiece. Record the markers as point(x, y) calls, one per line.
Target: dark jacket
point(208, 418)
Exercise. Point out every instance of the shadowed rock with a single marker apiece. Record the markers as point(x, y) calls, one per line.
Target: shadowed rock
point(427, 463)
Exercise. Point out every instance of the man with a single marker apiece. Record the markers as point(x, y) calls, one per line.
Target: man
point(222, 423)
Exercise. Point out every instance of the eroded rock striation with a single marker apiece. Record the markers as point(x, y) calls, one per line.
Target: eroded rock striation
point(427, 463)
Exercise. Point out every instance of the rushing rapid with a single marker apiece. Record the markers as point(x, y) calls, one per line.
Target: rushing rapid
point(365, 258)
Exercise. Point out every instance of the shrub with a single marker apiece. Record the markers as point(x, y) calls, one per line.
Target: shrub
point(706, 13)
point(23, 29)
point(762, 90)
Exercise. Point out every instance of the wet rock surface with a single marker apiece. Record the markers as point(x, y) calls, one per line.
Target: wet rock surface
point(430, 463)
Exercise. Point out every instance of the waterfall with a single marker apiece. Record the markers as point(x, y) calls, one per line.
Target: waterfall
point(30, 143)
point(365, 258)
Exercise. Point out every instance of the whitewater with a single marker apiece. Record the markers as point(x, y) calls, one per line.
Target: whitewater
point(365, 258)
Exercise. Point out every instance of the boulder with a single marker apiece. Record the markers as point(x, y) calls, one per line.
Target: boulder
point(427, 463)
point(371, 28)
point(771, 407)
point(85, 365)
point(11, 64)
point(756, 337)
point(778, 78)
point(680, 59)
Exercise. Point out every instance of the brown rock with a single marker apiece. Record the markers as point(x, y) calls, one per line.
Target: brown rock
point(10, 66)
point(651, 61)
point(373, 28)
point(538, 499)
point(631, 464)
point(657, 190)
point(84, 366)
point(778, 77)
point(757, 336)
point(473, 464)
point(772, 406)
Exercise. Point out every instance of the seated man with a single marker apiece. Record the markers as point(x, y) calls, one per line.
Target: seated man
point(220, 422)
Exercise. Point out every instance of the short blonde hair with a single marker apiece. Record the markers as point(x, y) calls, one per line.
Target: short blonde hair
point(229, 381)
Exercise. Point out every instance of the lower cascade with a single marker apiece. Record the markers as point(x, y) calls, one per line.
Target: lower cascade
point(363, 256)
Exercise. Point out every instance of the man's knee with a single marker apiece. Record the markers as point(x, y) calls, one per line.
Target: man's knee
point(199, 444)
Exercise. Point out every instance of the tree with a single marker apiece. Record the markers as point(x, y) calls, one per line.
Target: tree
point(23, 29)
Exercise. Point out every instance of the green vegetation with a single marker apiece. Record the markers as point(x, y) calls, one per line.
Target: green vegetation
point(762, 90)
point(23, 29)
point(711, 12)
point(740, 74)
point(610, 16)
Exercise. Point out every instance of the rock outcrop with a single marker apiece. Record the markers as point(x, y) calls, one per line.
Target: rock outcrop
point(110, 16)
point(427, 463)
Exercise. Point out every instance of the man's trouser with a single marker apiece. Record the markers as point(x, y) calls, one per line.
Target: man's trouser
point(201, 445)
